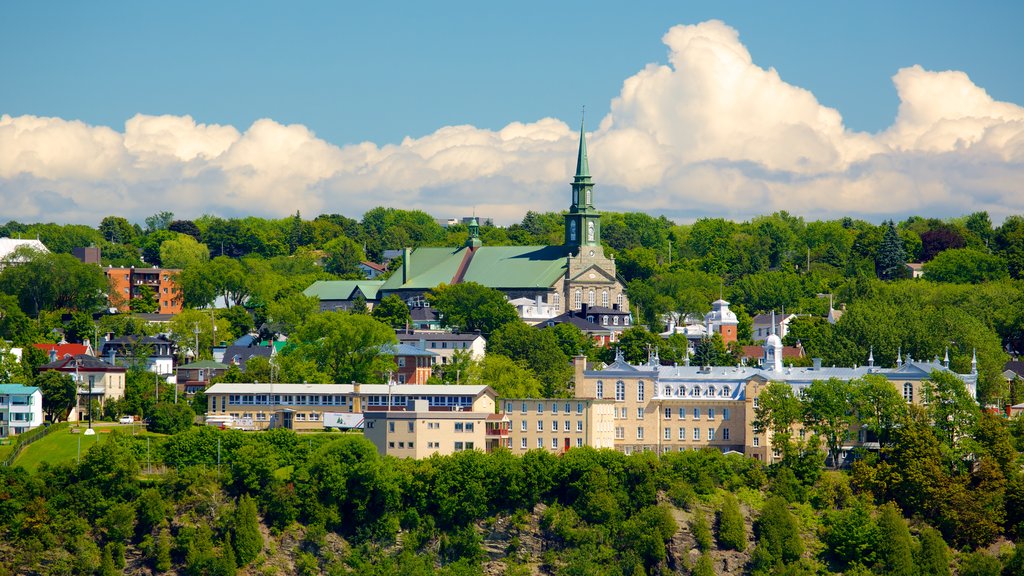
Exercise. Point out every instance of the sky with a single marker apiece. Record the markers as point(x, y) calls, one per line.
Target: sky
point(868, 109)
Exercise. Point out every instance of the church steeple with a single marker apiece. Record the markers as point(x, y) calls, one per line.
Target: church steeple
point(583, 222)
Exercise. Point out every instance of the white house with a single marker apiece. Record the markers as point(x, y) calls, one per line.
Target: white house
point(534, 311)
point(21, 409)
point(9, 245)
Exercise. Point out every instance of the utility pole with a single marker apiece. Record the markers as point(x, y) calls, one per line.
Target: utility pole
point(195, 330)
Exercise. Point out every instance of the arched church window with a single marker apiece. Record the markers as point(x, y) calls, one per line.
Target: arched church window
point(557, 301)
point(572, 230)
point(908, 392)
point(619, 300)
point(590, 297)
point(578, 300)
point(604, 298)
point(590, 231)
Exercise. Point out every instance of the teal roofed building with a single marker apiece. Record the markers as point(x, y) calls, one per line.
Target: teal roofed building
point(341, 294)
point(565, 277)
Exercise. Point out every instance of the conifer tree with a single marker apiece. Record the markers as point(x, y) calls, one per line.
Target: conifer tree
point(891, 259)
point(894, 548)
point(163, 551)
point(933, 555)
point(248, 541)
point(732, 532)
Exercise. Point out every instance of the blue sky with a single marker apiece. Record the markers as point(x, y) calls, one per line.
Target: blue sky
point(378, 73)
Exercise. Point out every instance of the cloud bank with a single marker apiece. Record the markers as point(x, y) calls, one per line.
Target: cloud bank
point(707, 133)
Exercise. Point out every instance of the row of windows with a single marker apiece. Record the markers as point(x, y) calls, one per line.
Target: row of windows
point(578, 299)
point(554, 443)
point(525, 407)
point(566, 426)
point(620, 434)
point(696, 413)
point(263, 416)
point(333, 400)
point(669, 390)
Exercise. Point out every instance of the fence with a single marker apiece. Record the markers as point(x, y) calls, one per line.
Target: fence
point(30, 437)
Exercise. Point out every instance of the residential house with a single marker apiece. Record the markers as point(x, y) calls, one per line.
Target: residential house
point(424, 318)
point(159, 352)
point(240, 354)
point(98, 380)
point(371, 269)
point(308, 406)
point(534, 310)
point(65, 349)
point(128, 283)
point(21, 409)
point(196, 376)
point(445, 344)
point(763, 325)
point(415, 364)
point(602, 336)
point(342, 294)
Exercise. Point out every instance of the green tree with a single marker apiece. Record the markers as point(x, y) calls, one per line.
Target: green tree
point(732, 531)
point(636, 344)
point(159, 221)
point(878, 405)
point(828, 410)
point(392, 311)
point(776, 412)
point(59, 394)
point(932, 557)
point(778, 536)
point(851, 535)
point(891, 258)
point(508, 379)
point(347, 347)
point(953, 412)
point(211, 330)
point(145, 300)
point(894, 547)
point(470, 306)
point(117, 230)
point(343, 257)
point(965, 266)
point(163, 551)
point(182, 252)
point(247, 539)
point(536, 350)
point(712, 352)
point(701, 530)
point(978, 563)
point(170, 418)
point(46, 281)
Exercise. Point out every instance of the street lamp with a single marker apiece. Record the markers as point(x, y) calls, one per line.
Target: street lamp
point(78, 380)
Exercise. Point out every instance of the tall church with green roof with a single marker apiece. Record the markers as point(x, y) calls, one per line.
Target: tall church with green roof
point(569, 276)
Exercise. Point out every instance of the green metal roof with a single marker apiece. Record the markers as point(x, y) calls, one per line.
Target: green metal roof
point(509, 267)
point(203, 364)
point(428, 268)
point(17, 389)
point(343, 289)
point(517, 267)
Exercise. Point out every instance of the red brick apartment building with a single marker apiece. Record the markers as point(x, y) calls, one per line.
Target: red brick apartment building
point(127, 282)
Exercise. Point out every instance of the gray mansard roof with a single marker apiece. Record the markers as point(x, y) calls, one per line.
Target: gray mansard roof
point(736, 376)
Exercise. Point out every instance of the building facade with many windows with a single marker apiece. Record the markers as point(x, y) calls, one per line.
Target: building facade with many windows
point(260, 406)
point(673, 408)
point(558, 424)
point(21, 409)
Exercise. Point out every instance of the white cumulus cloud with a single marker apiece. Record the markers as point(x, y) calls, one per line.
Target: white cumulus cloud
point(707, 132)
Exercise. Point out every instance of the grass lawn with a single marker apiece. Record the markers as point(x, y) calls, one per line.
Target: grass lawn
point(62, 446)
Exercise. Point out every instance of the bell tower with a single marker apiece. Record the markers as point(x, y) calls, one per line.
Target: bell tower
point(583, 222)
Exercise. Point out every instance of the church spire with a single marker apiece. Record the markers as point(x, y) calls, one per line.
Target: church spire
point(583, 222)
point(582, 164)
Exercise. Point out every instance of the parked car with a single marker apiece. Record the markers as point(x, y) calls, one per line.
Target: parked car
point(127, 419)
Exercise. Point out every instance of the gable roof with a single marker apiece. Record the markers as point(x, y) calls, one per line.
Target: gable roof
point(81, 362)
point(374, 266)
point(9, 245)
point(244, 353)
point(404, 350)
point(508, 267)
point(203, 364)
point(63, 350)
point(17, 389)
point(343, 289)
